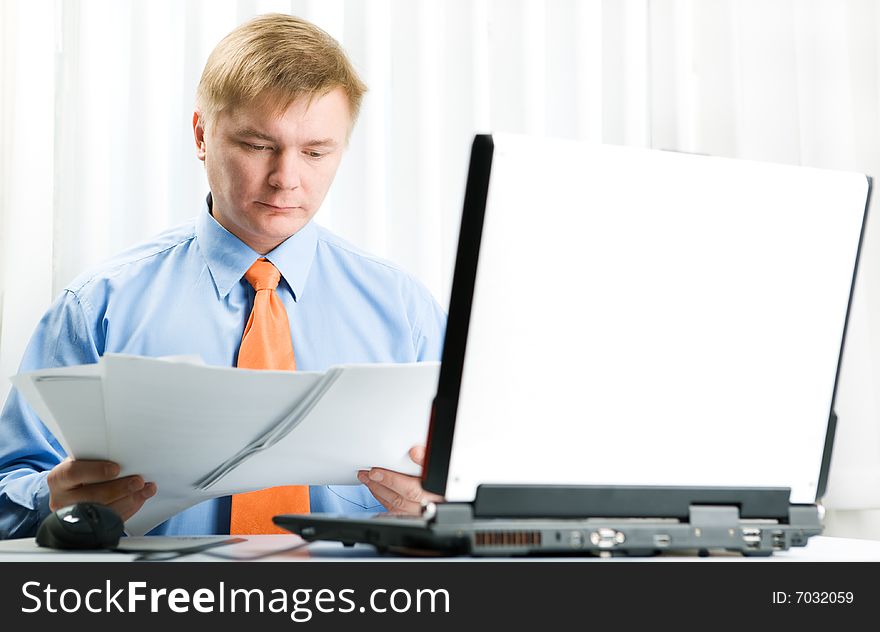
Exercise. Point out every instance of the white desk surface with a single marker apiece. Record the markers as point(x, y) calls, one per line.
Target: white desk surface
point(273, 548)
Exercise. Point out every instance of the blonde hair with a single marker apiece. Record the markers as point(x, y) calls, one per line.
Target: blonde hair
point(277, 57)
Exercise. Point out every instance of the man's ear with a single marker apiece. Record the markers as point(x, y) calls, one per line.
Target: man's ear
point(199, 135)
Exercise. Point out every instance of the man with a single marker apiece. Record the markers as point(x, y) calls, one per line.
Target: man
point(275, 108)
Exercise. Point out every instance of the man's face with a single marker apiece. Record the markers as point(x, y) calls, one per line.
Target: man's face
point(268, 173)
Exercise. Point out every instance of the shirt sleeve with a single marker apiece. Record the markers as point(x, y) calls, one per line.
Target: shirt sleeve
point(429, 329)
point(65, 336)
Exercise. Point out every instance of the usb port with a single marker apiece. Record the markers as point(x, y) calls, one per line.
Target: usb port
point(778, 541)
point(752, 537)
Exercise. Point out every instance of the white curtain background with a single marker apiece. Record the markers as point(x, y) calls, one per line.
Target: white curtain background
point(96, 150)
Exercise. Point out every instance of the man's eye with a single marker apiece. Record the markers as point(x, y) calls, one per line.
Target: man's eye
point(257, 147)
point(314, 154)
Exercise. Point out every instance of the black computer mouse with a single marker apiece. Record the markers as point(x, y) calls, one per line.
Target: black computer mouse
point(81, 526)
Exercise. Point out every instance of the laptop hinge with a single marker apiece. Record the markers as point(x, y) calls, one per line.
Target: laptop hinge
point(619, 501)
point(805, 516)
point(713, 516)
point(449, 513)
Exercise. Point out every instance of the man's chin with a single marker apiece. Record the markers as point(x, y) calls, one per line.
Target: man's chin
point(279, 229)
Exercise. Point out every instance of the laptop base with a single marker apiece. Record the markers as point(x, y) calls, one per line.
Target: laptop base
point(457, 529)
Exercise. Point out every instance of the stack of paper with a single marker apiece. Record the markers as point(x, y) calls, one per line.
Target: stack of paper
point(199, 432)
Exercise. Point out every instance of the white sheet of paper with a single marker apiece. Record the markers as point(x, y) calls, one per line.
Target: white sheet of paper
point(354, 427)
point(74, 394)
point(162, 506)
point(173, 422)
point(349, 429)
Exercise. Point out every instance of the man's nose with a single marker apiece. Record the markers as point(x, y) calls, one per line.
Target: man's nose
point(286, 171)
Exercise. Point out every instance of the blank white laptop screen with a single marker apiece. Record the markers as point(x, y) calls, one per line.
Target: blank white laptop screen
point(643, 317)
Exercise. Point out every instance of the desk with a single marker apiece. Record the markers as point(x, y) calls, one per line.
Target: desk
point(276, 548)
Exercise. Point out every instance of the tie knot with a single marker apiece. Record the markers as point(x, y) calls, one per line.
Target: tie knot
point(263, 275)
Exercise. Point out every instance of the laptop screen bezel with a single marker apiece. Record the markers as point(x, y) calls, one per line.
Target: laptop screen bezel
point(442, 427)
point(822, 483)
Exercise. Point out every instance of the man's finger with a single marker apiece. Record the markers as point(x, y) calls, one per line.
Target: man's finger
point(72, 473)
point(104, 493)
point(417, 454)
point(131, 504)
point(407, 486)
point(398, 493)
point(391, 500)
point(410, 487)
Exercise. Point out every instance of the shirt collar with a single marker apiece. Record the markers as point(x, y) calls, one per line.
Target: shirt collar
point(228, 257)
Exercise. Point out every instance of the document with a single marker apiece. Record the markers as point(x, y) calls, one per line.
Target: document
point(200, 431)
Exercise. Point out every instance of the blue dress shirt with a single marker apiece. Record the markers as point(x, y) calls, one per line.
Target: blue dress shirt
point(183, 292)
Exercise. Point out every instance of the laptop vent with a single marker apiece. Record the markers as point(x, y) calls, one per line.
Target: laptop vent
point(507, 538)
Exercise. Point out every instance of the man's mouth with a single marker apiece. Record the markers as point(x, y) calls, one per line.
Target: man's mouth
point(277, 207)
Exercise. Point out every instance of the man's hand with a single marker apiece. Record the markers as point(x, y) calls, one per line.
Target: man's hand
point(399, 493)
point(73, 481)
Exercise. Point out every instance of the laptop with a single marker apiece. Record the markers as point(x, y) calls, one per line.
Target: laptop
point(641, 356)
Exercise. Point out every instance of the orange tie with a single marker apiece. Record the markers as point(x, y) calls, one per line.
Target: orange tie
point(266, 344)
